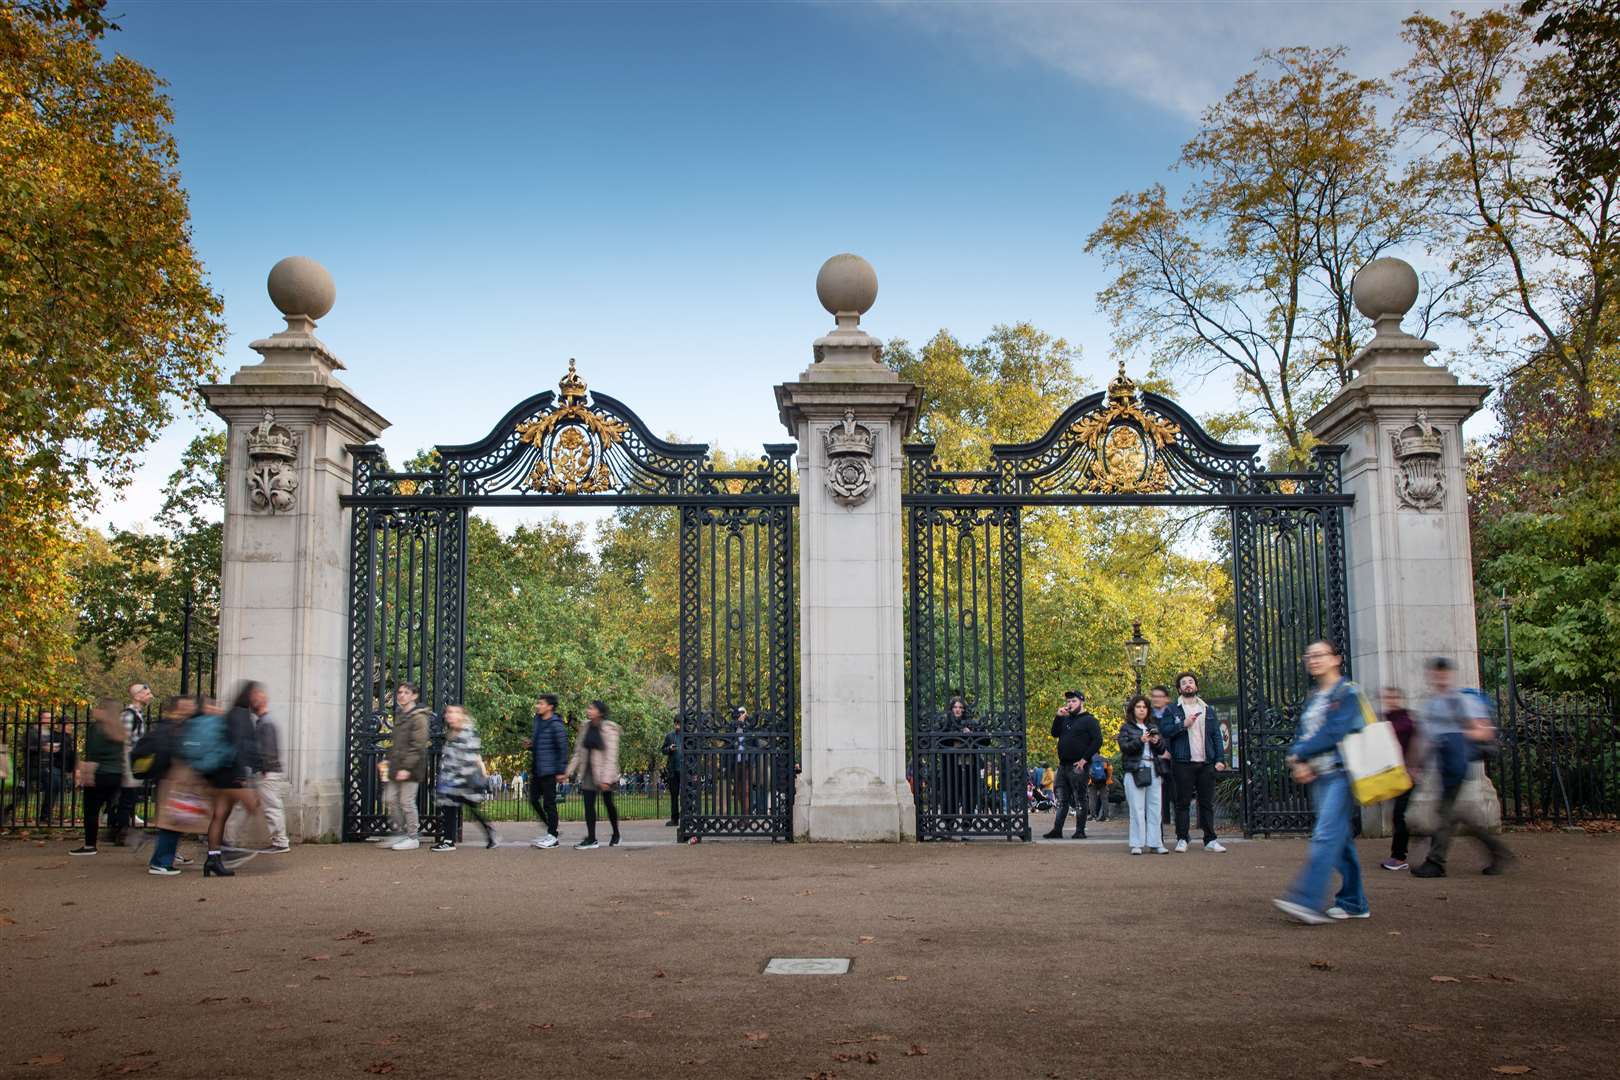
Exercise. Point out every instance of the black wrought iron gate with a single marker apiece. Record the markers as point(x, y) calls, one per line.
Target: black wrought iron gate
point(407, 595)
point(965, 608)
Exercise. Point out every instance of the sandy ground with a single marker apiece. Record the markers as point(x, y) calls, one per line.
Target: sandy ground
point(986, 959)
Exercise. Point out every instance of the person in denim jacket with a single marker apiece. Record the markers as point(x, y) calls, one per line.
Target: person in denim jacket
point(1335, 710)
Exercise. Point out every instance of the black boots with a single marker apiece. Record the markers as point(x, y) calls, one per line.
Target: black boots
point(215, 864)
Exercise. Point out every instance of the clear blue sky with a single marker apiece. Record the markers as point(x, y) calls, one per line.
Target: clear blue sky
point(651, 188)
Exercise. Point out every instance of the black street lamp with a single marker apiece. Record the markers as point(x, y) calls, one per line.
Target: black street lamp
point(1136, 650)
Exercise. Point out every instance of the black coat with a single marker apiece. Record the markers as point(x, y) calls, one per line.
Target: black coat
point(1078, 736)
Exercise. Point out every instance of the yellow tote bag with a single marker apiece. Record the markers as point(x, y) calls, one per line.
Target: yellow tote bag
point(1372, 758)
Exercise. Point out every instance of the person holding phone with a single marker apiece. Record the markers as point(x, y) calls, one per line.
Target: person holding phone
point(1079, 737)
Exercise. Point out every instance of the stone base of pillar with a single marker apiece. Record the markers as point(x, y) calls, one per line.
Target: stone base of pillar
point(1378, 821)
point(315, 814)
point(853, 806)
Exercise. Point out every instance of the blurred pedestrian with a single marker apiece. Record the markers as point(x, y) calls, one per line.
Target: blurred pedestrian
point(228, 767)
point(1393, 708)
point(101, 772)
point(1141, 748)
point(268, 778)
point(1453, 730)
point(156, 758)
point(1334, 709)
point(548, 758)
point(1101, 778)
point(56, 757)
point(595, 765)
point(407, 765)
point(133, 717)
point(463, 778)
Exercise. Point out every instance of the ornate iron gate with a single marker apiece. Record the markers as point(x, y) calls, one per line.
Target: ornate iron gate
point(407, 594)
point(1119, 448)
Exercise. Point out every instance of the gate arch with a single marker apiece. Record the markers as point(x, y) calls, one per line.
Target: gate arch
point(1120, 447)
point(578, 447)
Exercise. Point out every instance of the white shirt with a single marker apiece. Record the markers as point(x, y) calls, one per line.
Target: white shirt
point(1195, 711)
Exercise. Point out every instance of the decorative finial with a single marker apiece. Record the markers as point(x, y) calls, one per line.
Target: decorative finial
point(847, 287)
point(571, 385)
point(1122, 388)
point(1384, 291)
point(302, 291)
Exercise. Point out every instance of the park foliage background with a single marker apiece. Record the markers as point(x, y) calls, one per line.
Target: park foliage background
point(1494, 152)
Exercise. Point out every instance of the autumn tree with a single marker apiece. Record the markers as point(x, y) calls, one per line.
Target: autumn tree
point(1294, 188)
point(106, 321)
point(1519, 155)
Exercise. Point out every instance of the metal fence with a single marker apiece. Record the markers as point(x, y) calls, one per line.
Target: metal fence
point(1560, 758)
point(45, 743)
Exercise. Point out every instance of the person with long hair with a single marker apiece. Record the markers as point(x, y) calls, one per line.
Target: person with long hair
point(1141, 747)
point(156, 757)
point(102, 773)
point(1334, 710)
point(595, 765)
point(230, 780)
point(959, 771)
point(463, 778)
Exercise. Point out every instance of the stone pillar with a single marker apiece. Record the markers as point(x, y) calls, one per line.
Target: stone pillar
point(284, 582)
point(1411, 568)
point(851, 415)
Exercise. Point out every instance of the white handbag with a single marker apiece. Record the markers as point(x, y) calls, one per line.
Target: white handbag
point(1372, 758)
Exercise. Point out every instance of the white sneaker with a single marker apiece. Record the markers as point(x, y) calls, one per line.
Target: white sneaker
point(1136, 851)
point(409, 843)
point(1337, 912)
point(1300, 913)
point(383, 838)
point(546, 841)
point(1161, 851)
point(1181, 846)
point(1215, 846)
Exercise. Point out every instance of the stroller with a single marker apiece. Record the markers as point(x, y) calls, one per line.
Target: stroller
point(1040, 800)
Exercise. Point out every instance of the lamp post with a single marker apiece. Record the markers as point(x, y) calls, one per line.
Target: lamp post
point(1136, 650)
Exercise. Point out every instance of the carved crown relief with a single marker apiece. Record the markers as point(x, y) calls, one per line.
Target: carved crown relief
point(1420, 483)
point(850, 476)
point(272, 451)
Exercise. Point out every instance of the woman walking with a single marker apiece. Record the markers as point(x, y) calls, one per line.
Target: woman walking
point(1334, 710)
point(595, 765)
point(230, 780)
point(1140, 750)
point(157, 758)
point(463, 779)
point(101, 772)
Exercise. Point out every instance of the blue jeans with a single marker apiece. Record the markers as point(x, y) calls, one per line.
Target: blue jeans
point(1332, 848)
point(168, 844)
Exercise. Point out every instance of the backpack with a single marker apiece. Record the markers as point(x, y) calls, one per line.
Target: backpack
point(1099, 769)
point(204, 746)
point(149, 760)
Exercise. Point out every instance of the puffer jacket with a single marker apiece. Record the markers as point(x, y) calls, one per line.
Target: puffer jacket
point(461, 766)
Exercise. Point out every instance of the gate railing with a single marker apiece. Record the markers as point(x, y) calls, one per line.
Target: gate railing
point(1560, 758)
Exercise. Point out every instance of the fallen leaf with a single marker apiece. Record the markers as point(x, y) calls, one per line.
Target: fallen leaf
point(380, 1068)
point(540, 1027)
point(663, 914)
point(211, 1000)
point(1511, 1070)
point(1323, 965)
point(756, 1036)
point(638, 1015)
point(1031, 1009)
point(846, 1057)
point(112, 980)
point(238, 971)
point(70, 903)
point(1493, 977)
point(866, 939)
point(917, 1050)
point(659, 974)
point(1393, 933)
point(899, 978)
point(47, 1059)
point(1443, 978)
point(322, 978)
point(154, 971)
point(746, 899)
point(319, 956)
point(871, 1057)
point(7, 920)
point(355, 935)
point(1369, 1063)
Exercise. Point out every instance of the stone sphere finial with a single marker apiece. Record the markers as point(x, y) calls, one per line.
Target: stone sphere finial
point(847, 285)
point(1385, 288)
point(301, 287)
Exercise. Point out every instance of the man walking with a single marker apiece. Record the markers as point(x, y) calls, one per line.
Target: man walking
point(548, 763)
point(407, 765)
point(1193, 732)
point(1452, 729)
point(1393, 707)
point(1079, 738)
point(672, 771)
point(271, 782)
point(134, 720)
